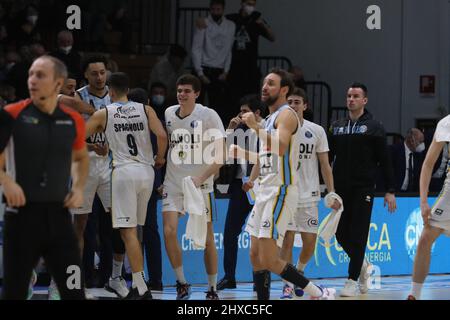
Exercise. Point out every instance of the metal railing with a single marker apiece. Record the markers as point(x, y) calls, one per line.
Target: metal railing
point(319, 96)
point(265, 63)
point(185, 20)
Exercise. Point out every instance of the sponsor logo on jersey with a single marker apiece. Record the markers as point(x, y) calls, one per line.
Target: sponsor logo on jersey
point(30, 120)
point(64, 122)
point(362, 129)
point(312, 222)
point(266, 224)
point(194, 124)
point(308, 134)
point(438, 212)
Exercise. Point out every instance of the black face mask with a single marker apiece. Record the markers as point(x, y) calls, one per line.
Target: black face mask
point(216, 17)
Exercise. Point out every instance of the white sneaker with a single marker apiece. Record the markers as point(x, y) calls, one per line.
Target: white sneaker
point(363, 279)
point(88, 295)
point(327, 294)
point(118, 286)
point(350, 289)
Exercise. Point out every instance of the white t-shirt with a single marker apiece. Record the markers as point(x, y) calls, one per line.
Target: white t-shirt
point(313, 140)
point(128, 134)
point(190, 152)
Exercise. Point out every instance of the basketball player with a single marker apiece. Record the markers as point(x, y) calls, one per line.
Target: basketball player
point(436, 220)
point(127, 126)
point(276, 200)
point(191, 128)
point(96, 94)
point(313, 150)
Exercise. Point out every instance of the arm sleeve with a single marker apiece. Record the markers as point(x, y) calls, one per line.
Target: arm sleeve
point(80, 128)
point(6, 127)
point(322, 143)
point(383, 156)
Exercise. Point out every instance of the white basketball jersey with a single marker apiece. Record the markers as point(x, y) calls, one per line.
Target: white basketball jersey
point(98, 103)
point(189, 140)
point(128, 134)
point(313, 140)
point(275, 170)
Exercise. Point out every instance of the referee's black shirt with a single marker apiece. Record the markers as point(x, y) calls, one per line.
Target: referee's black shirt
point(38, 148)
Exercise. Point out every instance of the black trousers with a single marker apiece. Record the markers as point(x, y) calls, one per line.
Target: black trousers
point(152, 242)
point(40, 230)
point(238, 210)
point(353, 228)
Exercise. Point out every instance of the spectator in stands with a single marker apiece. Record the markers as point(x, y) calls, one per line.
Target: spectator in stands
point(27, 31)
point(17, 73)
point(211, 57)
point(151, 241)
point(245, 76)
point(169, 68)
point(158, 99)
point(298, 77)
point(407, 158)
point(239, 206)
point(66, 53)
point(37, 49)
point(8, 94)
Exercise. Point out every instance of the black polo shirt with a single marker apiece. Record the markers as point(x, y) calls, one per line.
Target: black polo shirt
point(38, 148)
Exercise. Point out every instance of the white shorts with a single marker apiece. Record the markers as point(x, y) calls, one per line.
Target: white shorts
point(440, 212)
point(305, 219)
point(173, 202)
point(98, 181)
point(132, 187)
point(269, 218)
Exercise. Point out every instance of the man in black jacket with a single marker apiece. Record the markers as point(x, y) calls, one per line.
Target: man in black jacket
point(357, 147)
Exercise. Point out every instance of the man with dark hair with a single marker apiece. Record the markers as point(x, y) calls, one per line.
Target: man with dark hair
point(187, 159)
point(276, 199)
point(211, 57)
point(127, 127)
point(357, 147)
point(37, 194)
point(239, 206)
point(98, 183)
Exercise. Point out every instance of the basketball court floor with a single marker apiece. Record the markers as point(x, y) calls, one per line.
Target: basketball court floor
point(437, 287)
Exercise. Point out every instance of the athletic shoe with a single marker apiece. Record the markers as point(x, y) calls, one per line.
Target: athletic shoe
point(212, 295)
point(33, 281)
point(183, 291)
point(350, 289)
point(411, 297)
point(364, 277)
point(287, 292)
point(53, 293)
point(134, 295)
point(226, 284)
point(118, 286)
point(327, 294)
point(297, 290)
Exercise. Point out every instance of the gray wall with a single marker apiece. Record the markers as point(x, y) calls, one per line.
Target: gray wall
point(329, 39)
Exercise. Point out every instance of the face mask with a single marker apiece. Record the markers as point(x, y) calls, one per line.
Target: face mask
point(66, 50)
point(420, 147)
point(216, 18)
point(158, 100)
point(32, 19)
point(249, 9)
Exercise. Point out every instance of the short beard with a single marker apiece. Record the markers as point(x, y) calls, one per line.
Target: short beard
point(270, 101)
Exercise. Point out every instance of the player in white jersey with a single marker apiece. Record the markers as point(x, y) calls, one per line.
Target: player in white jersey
point(127, 126)
point(313, 150)
point(276, 199)
point(436, 220)
point(193, 130)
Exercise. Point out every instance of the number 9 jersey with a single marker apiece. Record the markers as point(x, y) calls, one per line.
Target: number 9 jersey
point(128, 134)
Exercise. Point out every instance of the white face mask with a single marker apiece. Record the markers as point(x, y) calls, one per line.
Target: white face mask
point(66, 49)
point(420, 147)
point(249, 9)
point(33, 19)
point(158, 100)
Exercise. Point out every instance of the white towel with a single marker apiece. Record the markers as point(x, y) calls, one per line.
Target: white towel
point(331, 224)
point(194, 204)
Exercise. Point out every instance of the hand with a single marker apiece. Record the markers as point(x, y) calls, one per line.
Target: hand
point(74, 199)
point(234, 123)
point(247, 186)
point(389, 198)
point(13, 193)
point(205, 79)
point(100, 149)
point(223, 77)
point(160, 190)
point(159, 162)
point(197, 181)
point(250, 120)
point(426, 212)
point(200, 23)
point(336, 205)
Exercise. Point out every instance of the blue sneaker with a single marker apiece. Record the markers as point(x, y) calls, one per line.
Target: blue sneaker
point(287, 292)
point(183, 291)
point(33, 281)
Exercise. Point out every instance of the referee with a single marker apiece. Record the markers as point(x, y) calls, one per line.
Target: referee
point(357, 148)
point(40, 140)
